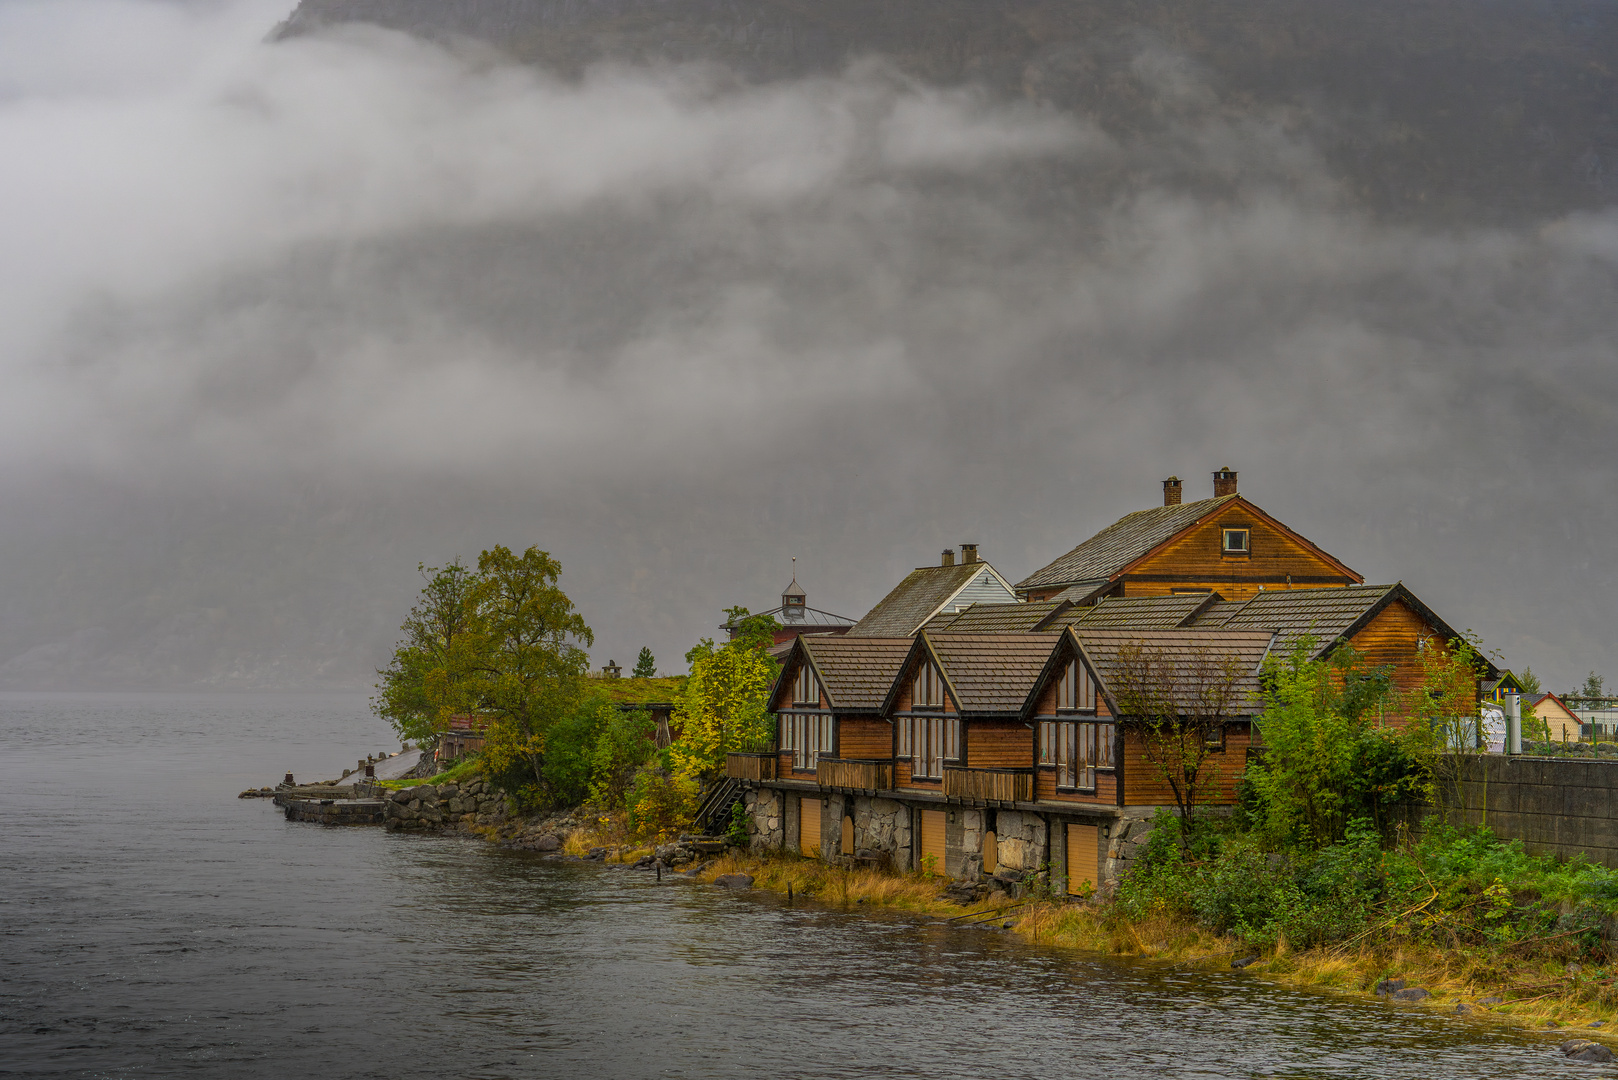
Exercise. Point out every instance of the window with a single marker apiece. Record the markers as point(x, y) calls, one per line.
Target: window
point(1235, 542)
point(929, 692)
point(1076, 751)
point(805, 690)
point(929, 742)
point(1075, 689)
point(807, 736)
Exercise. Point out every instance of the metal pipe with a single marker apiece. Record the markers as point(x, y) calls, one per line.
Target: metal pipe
point(1514, 724)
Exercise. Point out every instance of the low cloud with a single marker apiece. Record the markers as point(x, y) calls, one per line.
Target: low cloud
point(280, 321)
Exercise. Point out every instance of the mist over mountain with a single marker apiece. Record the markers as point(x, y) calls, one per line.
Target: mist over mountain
point(680, 291)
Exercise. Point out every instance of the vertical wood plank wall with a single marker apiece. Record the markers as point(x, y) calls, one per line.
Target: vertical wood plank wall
point(864, 737)
point(1083, 856)
point(1216, 785)
point(809, 813)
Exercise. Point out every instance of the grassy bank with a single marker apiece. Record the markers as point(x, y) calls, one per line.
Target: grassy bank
point(1533, 981)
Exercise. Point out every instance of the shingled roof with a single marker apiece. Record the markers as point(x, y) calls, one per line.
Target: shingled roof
point(987, 673)
point(1137, 612)
point(916, 599)
point(857, 673)
point(996, 618)
point(1185, 647)
point(1121, 543)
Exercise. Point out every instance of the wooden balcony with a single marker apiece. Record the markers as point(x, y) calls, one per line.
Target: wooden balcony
point(750, 766)
point(854, 774)
point(988, 785)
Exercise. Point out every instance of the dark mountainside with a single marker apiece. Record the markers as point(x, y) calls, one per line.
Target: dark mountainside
point(1426, 110)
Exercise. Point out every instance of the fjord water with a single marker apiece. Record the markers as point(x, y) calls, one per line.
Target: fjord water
point(152, 925)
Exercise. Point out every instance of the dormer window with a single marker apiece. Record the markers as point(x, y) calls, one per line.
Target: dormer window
point(929, 689)
point(1075, 689)
point(805, 690)
point(1235, 542)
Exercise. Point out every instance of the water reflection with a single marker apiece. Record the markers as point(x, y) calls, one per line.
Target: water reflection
point(151, 925)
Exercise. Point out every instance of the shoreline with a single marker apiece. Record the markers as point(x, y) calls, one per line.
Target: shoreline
point(1553, 999)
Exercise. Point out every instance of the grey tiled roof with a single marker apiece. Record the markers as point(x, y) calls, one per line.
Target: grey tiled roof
point(1324, 614)
point(902, 611)
point(992, 673)
point(1137, 612)
point(857, 672)
point(1121, 543)
point(1185, 648)
point(994, 618)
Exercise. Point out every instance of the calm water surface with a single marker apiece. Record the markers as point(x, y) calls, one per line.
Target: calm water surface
point(153, 925)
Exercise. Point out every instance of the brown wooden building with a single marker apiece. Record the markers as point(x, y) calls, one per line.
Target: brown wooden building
point(1224, 544)
point(995, 754)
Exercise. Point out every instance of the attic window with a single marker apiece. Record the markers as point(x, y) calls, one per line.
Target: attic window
point(804, 689)
point(929, 689)
point(1075, 690)
point(1234, 542)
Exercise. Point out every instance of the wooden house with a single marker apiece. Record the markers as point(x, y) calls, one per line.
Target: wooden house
point(929, 591)
point(1387, 624)
point(983, 754)
point(1500, 689)
point(1224, 544)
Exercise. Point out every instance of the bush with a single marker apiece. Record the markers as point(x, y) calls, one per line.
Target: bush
point(661, 803)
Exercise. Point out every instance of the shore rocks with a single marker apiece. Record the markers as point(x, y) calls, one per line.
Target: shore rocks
point(1411, 993)
point(428, 806)
point(1585, 1050)
point(1387, 987)
point(734, 881)
point(1245, 961)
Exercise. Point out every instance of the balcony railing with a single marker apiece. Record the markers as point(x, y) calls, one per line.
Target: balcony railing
point(750, 766)
point(989, 785)
point(854, 773)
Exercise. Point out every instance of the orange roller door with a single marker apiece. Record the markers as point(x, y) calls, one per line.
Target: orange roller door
point(932, 839)
point(1083, 853)
point(809, 827)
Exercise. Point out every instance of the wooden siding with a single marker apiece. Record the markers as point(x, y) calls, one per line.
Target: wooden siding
point(995, 744)
point(983, 589)
point(988, 785)
point(783, 693)
point(991, 852)
point(1105, 794)
point(864, 737)
point(1196, 557)
point(1216, 785)
point(1083, 857)
point(856, 775)
point(750, 766)
point(809, 812)
point(1391, 637)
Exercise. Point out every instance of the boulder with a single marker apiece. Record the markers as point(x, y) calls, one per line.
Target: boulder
point(402, 795)
point(597, 854)
point(1387, 987)
point(734, 881)
point(448, 791)
point(1489, 1001)
point(1585, 1050)
point(1244, 961)
point(1411, 993)
point(548, 842)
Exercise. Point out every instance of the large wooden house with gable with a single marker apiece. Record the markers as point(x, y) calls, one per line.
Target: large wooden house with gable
point(1224, 544)
point(998, 754)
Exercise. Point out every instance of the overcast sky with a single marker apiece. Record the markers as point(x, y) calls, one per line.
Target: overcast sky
point(279, 322)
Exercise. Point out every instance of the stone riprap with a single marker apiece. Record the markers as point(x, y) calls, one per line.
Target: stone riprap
point(427, 807)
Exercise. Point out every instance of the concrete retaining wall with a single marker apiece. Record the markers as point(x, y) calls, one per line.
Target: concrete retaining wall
point(1554, 806)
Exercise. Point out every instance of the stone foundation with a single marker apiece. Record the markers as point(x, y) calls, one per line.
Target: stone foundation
point(766, 819)
point(1023, 841)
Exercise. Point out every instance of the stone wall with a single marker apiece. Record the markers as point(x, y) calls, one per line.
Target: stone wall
point(883, 826)
point(1022, 841)
point(441, 806)
point(1125, 840)
point(766, 818)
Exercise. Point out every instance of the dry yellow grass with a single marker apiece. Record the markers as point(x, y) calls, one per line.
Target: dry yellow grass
point(1452, 978)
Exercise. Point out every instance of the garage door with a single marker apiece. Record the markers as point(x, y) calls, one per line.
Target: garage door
point(932, 841)
point(809, 827)
point(1083, 853)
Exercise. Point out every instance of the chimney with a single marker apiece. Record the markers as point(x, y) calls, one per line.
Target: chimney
point(969, 553)
point(1224, 482)
point(1171, 491)
point(948, 558)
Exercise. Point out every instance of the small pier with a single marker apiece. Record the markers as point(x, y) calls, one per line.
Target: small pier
point(340, 811)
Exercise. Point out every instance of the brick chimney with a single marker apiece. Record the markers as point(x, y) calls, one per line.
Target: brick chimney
point(948, 558)
point(1171, 491)
point(1224, 482)
point(969, 553)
